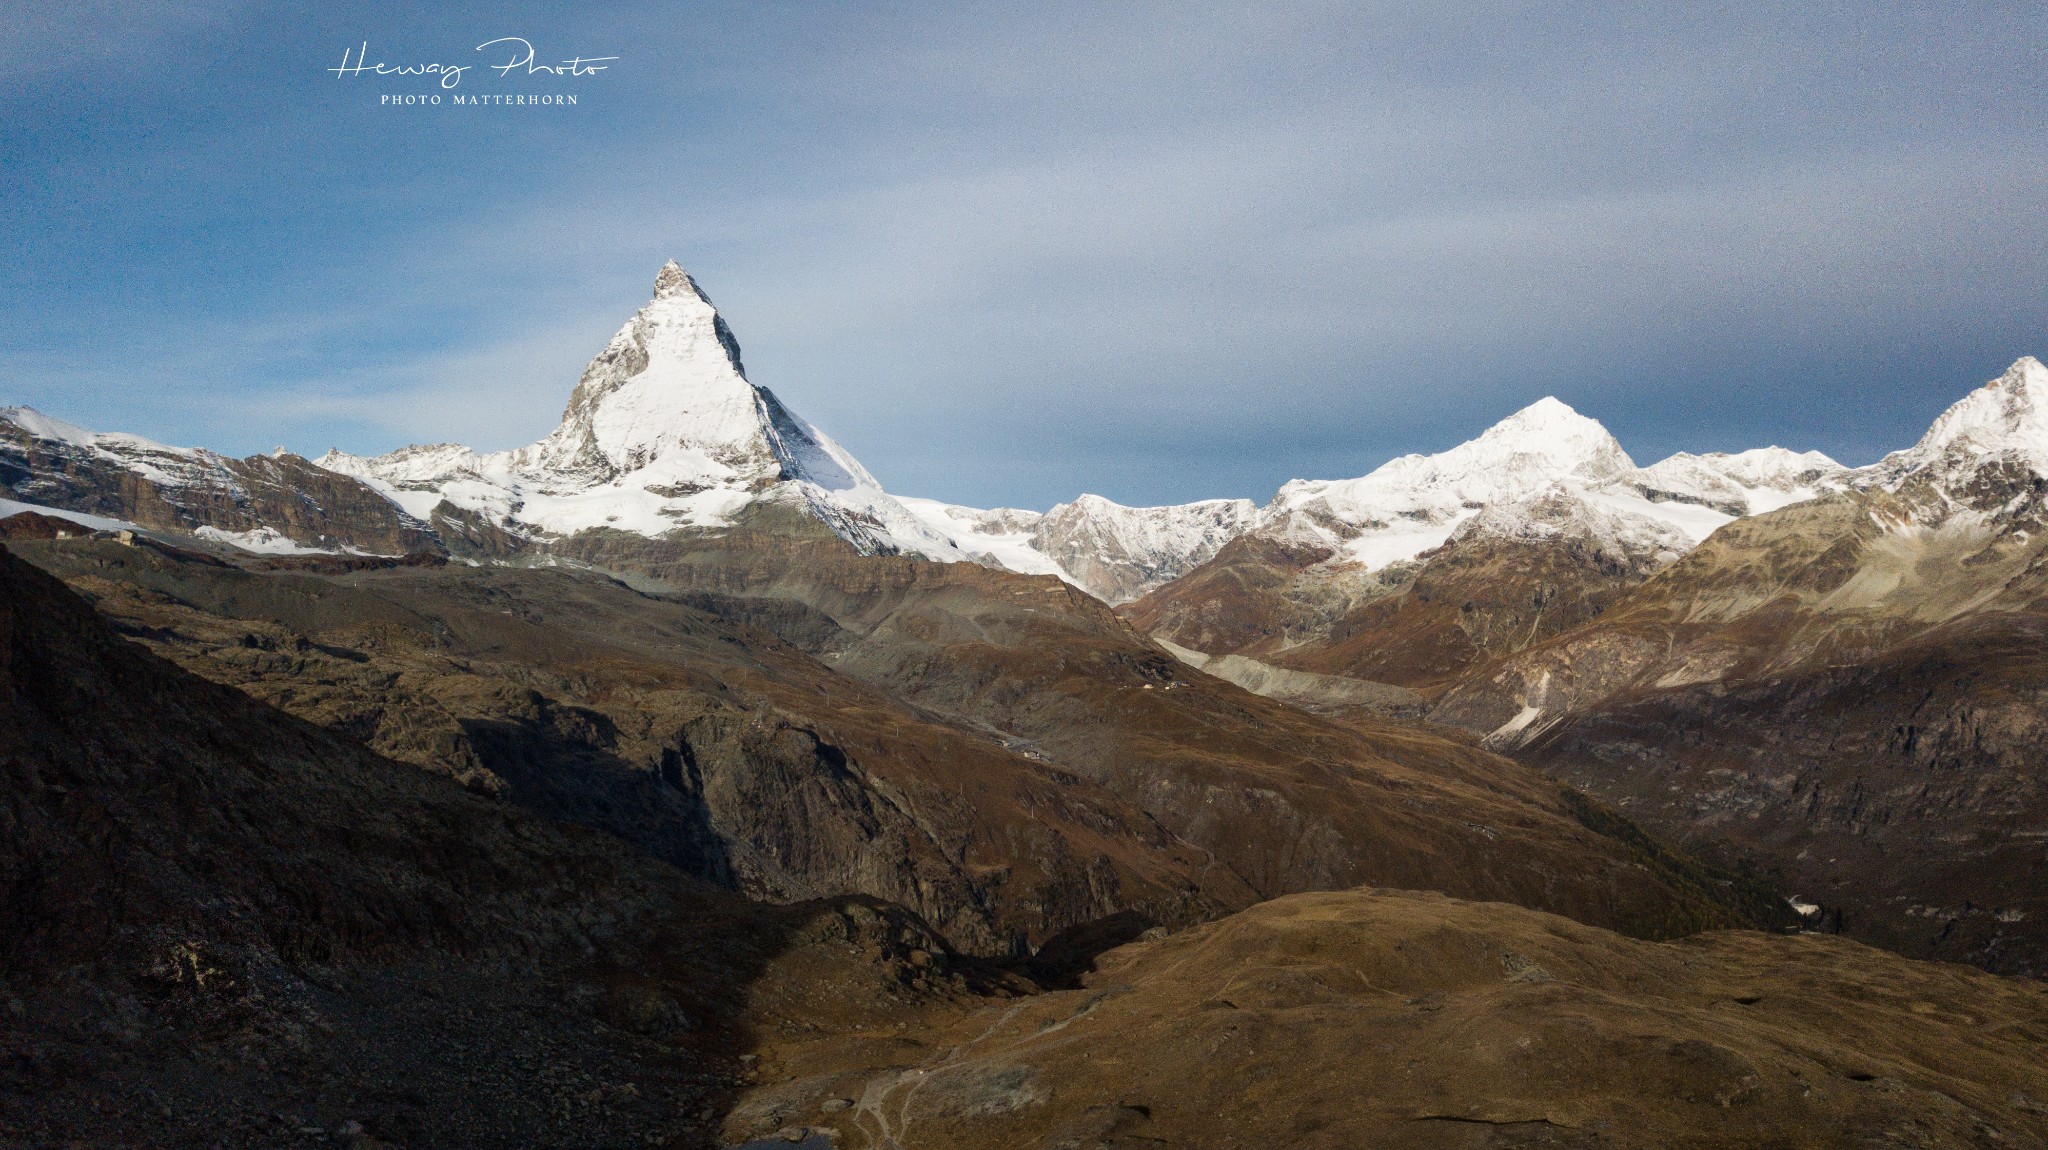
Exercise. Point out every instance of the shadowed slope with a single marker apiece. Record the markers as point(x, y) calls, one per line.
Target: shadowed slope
point(721, 749)
point(220, 925)
point(1835, 690)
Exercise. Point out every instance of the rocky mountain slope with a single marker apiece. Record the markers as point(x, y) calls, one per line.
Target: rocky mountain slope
point(999, 752)
point(1284, 800)
point(223, 926)
point(1849, 690)
point(717, 748)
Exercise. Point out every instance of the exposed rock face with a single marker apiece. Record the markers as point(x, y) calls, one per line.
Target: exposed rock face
point(719, 749)
point(1396, 1019)
point(264, 503)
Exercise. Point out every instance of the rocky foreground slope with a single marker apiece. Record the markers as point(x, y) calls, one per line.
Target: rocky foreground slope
point(223, 926)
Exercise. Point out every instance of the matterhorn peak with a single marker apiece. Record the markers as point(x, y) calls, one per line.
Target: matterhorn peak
point(672, 280)
point(663, 431)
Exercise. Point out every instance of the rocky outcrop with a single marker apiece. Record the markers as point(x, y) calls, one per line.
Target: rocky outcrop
point(264, 503)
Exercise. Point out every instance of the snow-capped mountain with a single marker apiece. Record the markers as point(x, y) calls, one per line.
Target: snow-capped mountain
point(1113, 552)
point(1119, 552)
point(663, 431)
point(2004, 422)
point(1746, 483)
point(1418, 502)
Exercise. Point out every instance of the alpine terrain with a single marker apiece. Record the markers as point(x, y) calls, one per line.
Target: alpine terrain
point(668, 782)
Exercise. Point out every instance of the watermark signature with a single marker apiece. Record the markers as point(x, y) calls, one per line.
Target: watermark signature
point(518, 53)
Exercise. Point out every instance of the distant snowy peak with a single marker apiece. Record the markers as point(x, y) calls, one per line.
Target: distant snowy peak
point(1119, 553)
point(1542, 443)
point(1134, 532)
point(1544, 472)
point(1413, 504)
point(2006, 419)
point(1113, 552)
point(999, 538)
point(663, 431)
point(668, 386)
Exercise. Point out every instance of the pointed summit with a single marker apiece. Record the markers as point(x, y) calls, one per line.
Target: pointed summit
point(673, 280)
point(2006, 418)
point(663, 431)
point(1556, 438)
point(2008, 413)
point(670, 381)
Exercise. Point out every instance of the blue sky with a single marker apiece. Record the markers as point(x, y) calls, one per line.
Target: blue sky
point(1008, 253)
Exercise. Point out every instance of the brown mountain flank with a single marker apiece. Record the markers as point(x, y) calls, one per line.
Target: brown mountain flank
point(1397, 1019)
point(1285, 800)
point(1836, 690)
point(720, 749)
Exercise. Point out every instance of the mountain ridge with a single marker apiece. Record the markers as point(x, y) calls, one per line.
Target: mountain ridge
point(664, 431)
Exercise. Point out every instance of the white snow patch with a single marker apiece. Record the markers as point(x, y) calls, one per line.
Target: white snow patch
point(262, 541)
point(95, 522)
